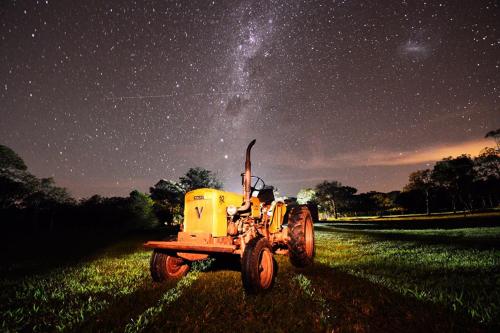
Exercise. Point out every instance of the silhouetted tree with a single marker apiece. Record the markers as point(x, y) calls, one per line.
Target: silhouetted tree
point(167, 191)
point(46, 194)
point(10, 160)
point(381, 202)
point(347, 198)
point(487, 176)
point(199, 178)
point(48, 197)
point(421, 180)
point(456, 176)
point(332, 196)
point(326, 193)
point(108, 213)
point(15, 181)
point(495, 135)
point(15, 186)
point(487, 164)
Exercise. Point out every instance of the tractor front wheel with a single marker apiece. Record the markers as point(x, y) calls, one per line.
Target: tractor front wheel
point(258, 268)
point(164, 266)
point(301, 234)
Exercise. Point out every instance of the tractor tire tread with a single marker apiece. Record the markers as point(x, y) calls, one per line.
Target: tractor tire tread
point(296, 233)
point(249, 265)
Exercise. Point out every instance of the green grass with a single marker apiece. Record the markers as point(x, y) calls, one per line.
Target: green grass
point(363, 280)
point(65, 297)
point(422, 217)
point(440, 266)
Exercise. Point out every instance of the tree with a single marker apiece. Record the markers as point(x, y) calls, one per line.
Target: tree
point(374, 202)
point(495, 135)
point(141, 206)
point(346, 197)
point(199, 178)
point(10, 160)
point(15, 186)
point(306, 195)
point(167, 191)
point(168, 196)
point(92, 202)
point(411, 200)
point(383, 202)
point(332, 196)
point(15, 181)
point(456, 176)
point(421, 180)
point(109, 212)
point(365, 204)
point(326, 193)
point(47, 196)
point(487, 164)
point(487, 176)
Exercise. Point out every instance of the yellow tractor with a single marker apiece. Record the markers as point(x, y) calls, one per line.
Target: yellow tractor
point(251, 226)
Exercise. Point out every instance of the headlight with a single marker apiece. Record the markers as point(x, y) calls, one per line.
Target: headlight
point(231, 210)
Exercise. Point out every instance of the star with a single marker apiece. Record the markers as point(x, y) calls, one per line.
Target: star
point(324, 87)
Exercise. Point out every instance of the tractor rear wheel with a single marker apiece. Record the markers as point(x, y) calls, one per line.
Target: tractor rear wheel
point(301, 234)
point(258, 268)
point(164, 266)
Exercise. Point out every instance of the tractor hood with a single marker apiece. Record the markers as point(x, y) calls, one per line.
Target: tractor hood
point(205, 210)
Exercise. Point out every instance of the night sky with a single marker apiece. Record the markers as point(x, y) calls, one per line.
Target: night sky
point(107, 96)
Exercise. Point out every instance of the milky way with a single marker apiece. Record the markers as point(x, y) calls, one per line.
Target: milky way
point(110, 96)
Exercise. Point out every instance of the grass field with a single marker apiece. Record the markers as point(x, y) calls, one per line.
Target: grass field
point(366, 278)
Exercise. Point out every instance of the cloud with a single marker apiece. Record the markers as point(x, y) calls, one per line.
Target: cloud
point(387, 157)
point(427, 155)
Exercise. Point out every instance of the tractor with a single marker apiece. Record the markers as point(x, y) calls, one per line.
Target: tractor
point(251, 226)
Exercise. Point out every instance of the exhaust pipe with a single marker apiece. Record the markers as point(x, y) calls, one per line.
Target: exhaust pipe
point(247, 179)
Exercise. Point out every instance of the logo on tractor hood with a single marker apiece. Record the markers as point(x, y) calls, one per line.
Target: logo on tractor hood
point(199, 210)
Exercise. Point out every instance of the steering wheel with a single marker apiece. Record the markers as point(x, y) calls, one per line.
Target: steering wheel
point(258, 184)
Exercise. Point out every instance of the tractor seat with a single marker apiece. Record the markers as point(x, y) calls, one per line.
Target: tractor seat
point(266, 195)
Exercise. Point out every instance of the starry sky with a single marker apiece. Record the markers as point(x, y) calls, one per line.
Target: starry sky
point(108, 96)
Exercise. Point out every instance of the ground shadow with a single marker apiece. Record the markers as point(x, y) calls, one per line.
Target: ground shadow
point(229, 262)
point(28, 253)
point(122, 310)
point(357, 304)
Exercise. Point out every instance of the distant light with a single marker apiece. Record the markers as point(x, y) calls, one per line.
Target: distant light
point(225, 156)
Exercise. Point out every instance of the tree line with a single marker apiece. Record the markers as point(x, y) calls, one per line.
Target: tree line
point(462, 183)
point(28, 203)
